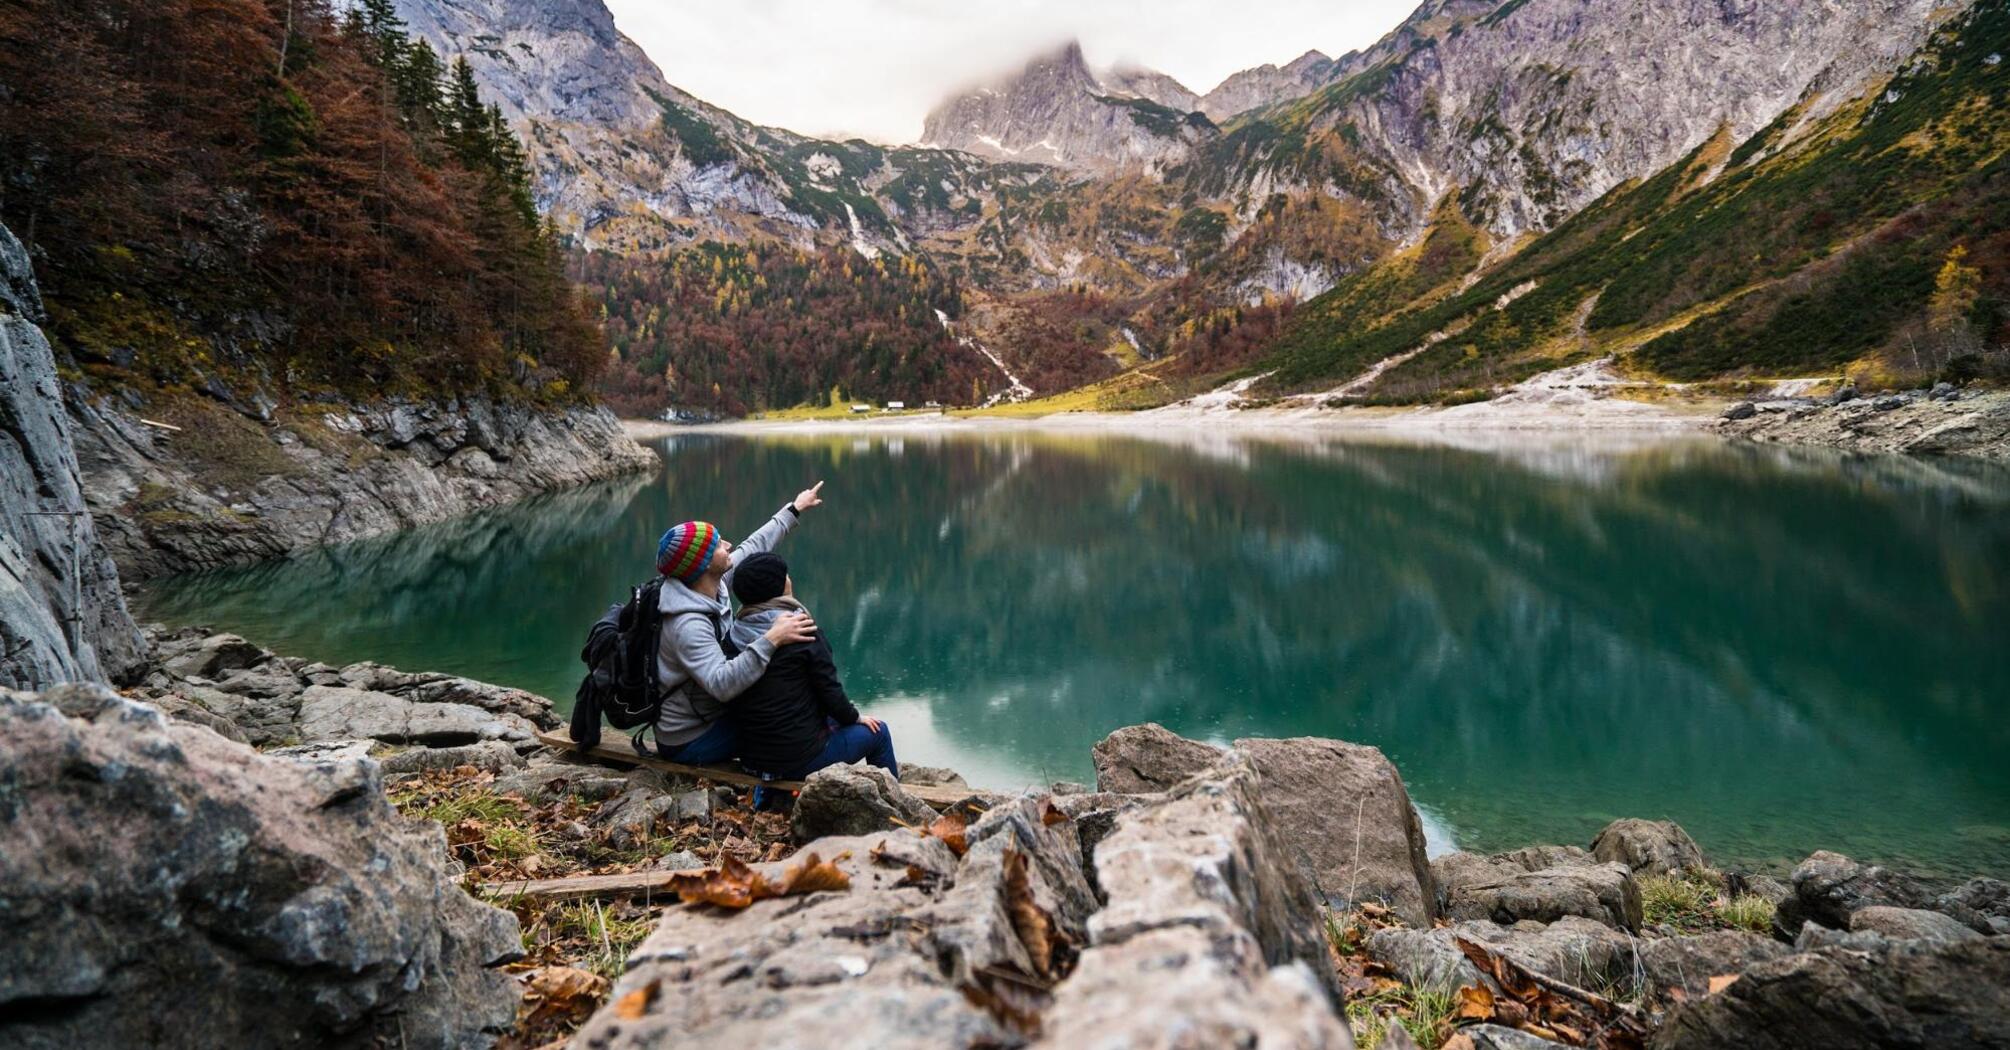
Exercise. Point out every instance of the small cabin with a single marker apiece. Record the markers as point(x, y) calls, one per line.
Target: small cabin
point(856, 409)
point(895, 406)
point(931, 404)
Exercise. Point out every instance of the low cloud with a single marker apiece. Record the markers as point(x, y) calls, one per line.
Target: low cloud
point(876, 67)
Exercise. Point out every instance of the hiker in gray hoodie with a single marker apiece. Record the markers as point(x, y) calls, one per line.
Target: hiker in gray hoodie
point(695, 673)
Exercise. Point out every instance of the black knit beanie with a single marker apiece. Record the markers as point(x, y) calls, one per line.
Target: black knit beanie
point(760, 578)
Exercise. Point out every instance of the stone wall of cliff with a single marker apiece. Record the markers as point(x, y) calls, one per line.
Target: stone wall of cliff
point(62, 618)
point(228, 487)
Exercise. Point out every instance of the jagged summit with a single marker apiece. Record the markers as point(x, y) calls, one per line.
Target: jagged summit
point(1056, 111)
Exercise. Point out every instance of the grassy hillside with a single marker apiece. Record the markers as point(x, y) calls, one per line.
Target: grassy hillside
point(1873, 241)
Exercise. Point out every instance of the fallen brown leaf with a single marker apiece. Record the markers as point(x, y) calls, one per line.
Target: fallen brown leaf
point(562, 986)
point(953, 828)
point(813, 875)
point(1475, 1003)
point(1046, 944)
point(1722, 981)
point(1050, 815)
point(1459, 1041)
point(632, 1006)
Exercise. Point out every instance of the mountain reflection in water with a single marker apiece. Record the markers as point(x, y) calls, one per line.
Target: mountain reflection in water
point(1781, 650)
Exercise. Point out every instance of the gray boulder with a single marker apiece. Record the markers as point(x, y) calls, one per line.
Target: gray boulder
point(177, 889)
point(855, 800)
point(493, 756)
point(1688, 963)
point(1982, 904)
point(938, 776)
point(1208, 936)
point(547, 776)
point(1648, 847)
point(1342, 810)
point(1909, 924)
point(631, 819)
point(1332, 801)
point(1148, 757)
point(1574, 950)
point(1921, 994)
point(1829, 886)
point(62, 615)
point(1741, 410)
point(920, 950)
point(1604, 892)
point(211, 657)
point(335, 713)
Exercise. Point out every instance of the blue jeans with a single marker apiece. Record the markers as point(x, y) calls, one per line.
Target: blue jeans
point(716, 744)
point(849, 744)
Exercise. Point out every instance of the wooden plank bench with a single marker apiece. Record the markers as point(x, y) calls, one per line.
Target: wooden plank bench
point(620, 752)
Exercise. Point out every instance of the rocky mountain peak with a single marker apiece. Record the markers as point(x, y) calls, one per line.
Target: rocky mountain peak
point(560, 60)
point(1056, 111)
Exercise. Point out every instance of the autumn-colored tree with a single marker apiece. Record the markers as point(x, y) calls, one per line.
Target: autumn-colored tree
point(261, 187)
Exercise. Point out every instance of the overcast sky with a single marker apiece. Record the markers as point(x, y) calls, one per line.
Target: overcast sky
point(876, 67)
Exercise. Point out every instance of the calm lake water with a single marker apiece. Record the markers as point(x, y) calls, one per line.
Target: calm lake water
point(1783, 651)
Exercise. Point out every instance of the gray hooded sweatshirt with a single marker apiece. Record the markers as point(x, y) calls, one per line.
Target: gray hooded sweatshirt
point(691, 665)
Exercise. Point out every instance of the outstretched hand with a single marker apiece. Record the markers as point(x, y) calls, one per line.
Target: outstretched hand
point(808, 498)
point(791, 628)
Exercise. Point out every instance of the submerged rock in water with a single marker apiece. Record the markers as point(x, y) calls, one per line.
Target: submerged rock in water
point(185, 890)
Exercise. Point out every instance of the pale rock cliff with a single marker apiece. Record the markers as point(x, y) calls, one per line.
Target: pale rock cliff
point(62, 618)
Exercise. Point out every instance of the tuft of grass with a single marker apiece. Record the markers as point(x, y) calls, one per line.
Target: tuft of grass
point(1675, 900)
point(510, 841)
point(1695, 901)
point(609, 935)
point(1749, 912)
point(1425, 1015)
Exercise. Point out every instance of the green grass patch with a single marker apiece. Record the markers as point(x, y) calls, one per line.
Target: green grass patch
point(1425, 1015)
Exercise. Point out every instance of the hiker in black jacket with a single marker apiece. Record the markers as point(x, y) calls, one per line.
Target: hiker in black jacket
point(796, 719)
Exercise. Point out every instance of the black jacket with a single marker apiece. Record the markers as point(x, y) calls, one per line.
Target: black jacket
point(781, 718)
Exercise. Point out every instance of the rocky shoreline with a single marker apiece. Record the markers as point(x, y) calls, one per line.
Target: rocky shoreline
point(227, 487)
point(1274, 893)
point(1940, 421)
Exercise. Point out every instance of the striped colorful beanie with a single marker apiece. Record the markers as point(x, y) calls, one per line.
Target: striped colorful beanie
point(686, 550)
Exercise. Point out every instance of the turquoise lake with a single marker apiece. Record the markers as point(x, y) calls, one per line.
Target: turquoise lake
point(1781, 650)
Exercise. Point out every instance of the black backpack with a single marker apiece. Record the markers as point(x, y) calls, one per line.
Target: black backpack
point(620, 655)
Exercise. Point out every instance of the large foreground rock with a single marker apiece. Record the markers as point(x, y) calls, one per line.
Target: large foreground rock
point(62, 617)
point(921, 950)
point(1341, 809)
point(1912, 994)
point(1688, 963)
point(164, 887)
point(1208, 938)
